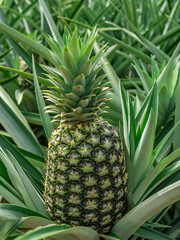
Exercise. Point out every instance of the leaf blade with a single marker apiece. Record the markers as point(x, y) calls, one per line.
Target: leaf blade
point(48, 128)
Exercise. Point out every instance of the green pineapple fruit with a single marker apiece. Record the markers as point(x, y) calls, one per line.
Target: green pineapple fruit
point(86, 178)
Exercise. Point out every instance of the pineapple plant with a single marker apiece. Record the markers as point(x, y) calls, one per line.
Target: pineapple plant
point(86, 177)
point(152, 172)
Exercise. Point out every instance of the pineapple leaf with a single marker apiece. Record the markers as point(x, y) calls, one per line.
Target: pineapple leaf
point(145, 78)
point(89, 46)
point(46, 121)
point(30, 218)
point(147, 181)
point(155, 69)
point(26, 75)
point(18, 129)
point(131, 128)
point(85, 68)
point(50, 21)
point(79, 80)
point(124, 106)
point(10, 194)
point(145, 210)
point(69, 61)
point(141, 160)
point(16, 179)
point(168, 66)
point(176, 142)
point(28, 167)
point(29, 193)
point(60, 232)
point(149, 233)
point(68, 76)
point(74, 46)
point(165, 173)
point(8, 226)
point(150, 102)
point(36, 47)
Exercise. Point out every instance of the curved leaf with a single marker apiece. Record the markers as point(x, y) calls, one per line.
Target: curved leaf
point(48, 127)
point(149, 233)
point(145, 210)
point(10, 211)
point(36, 47)
point(50, 21)
point(153, 174)
point(8, 226)
point(143, 152)
point(60, 232)
point(18, 129)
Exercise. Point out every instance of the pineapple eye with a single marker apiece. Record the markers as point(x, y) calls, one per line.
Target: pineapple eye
point(106, 205)
point(108, 193)
point(89, 215)
point(62, 177)
point(106, 217)
point(73, 221)
point(91, 203)
point(91, 191)
point(89, 179)
point(102, 169)
point(74, 173)
point(119, 204)
point(105, 181)
point(119, 193)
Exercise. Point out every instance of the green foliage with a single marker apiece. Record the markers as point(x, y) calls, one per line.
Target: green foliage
point(141, 63)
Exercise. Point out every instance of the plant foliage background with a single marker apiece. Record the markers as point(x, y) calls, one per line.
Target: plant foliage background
point(142, 63)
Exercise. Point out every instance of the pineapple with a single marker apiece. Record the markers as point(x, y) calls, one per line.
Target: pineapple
point(86, 178)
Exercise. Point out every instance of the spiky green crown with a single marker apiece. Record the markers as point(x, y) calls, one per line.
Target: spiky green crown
point(78, 94)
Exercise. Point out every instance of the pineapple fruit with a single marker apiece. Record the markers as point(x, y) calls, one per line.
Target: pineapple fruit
point(86, 178)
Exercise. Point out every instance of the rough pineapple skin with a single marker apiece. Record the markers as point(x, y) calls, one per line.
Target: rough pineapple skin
point(86, 178)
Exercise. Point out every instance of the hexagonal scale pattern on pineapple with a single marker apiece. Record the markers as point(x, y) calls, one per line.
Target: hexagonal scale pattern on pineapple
point(86, 182)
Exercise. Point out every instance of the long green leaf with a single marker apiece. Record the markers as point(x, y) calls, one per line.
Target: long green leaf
point(151, 234)
point(5, 144)
point(9, 196)
point(145, 210)
point(33, 45)
point(111, 236)
point(27, 75)
point(149, 45)
point(165, 174)
point(109, 38)
point(8, 226)
point(6, 184)
point(60, 232)
point(30, 219)
point(16, 180)
point(16, 212)
point(21, 52)
point(142, 157)
point(153, 174)
point(18, 130)
point(146, 80)
point(50, 21)
point(48, 127)
point(29, 191)
point(168, 67)
point(176, 143)
point(4, 95)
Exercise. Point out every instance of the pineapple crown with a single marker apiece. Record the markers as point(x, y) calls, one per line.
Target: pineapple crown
point(78, 93)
